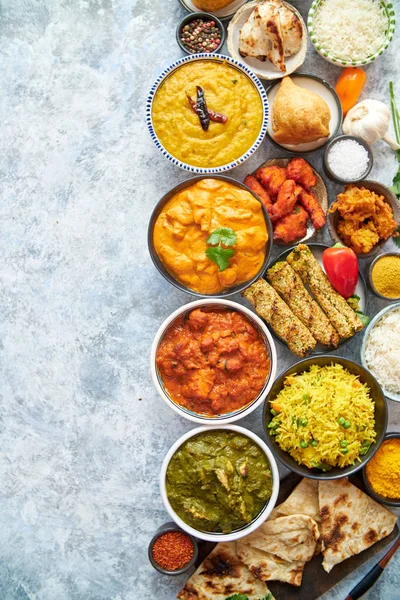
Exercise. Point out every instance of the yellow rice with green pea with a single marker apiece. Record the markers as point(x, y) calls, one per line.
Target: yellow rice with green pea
point(324, 417)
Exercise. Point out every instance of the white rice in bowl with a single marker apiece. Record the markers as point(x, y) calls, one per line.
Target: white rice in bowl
point(382, 351)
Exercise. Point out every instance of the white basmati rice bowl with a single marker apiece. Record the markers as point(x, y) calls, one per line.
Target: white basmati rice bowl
point(380, 350)
point(351, 33)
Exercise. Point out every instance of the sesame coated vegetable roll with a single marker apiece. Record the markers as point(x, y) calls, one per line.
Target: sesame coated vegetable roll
point(342, 317)
point(289, 285)
point(270, 306)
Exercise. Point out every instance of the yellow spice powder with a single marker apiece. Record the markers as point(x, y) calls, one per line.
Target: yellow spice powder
point(383, 470)
point(386, 276)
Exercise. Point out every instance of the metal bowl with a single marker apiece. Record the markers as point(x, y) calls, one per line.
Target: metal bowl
point(370, 489)
point(381, 190)
point(167, 527)
point(363, 143)
point(160, 266)
point(200, 15)
point(381, 416)
point(370, 281)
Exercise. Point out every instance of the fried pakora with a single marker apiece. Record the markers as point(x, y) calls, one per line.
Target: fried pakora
point(313, 207)
point(271, 178)
point(291, 227)
point(261, 192)
point(287, 198)
point(299, 170)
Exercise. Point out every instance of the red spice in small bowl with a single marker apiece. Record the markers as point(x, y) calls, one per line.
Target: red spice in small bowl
point(172, 550)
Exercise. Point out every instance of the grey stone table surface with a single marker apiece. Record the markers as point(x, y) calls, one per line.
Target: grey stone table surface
point(82, 430)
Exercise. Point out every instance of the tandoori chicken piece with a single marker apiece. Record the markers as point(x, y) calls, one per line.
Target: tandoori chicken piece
point(299, 170)
point(261, 192)
point(288, 194)
point(271, 178)
point(290, 287)
point(291, 227)
point(313, 207)
point(270, 306)
point(342, 317)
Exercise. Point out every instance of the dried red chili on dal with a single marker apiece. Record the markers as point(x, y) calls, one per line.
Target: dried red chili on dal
point(173, 550)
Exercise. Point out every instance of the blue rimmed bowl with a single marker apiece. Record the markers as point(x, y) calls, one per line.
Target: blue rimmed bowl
point(220, 59)
point(335, 59)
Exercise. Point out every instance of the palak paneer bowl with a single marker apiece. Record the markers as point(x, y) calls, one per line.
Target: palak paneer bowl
point(313, 418)
point(224, 481)
point(207, 113)
point(213, 361)
point(203, 221)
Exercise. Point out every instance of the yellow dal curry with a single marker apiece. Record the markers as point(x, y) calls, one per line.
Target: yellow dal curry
point(227, 91)
point(188, 218)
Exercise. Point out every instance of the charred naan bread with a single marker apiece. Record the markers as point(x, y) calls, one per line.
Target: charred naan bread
point(272, 32)
point(268, 567)
point(302, 501)
point(350, 521)
point(291, 538)
point(221, 575)
point(299, 116)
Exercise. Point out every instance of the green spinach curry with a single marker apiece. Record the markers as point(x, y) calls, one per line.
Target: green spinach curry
point(218, 481)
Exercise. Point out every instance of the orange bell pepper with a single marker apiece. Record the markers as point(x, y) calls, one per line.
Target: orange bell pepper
point(349, 86)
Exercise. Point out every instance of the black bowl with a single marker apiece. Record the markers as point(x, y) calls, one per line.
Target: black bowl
point(200, 15)
point(371, 492)
point(167, 527)
point(381, 416)
point(328, 170)
point(161, 268)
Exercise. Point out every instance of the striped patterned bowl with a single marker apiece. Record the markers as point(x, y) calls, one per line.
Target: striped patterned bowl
point(218, 58)
point(388, 9)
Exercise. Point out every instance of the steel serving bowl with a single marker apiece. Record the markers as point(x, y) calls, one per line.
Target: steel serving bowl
point(226, 418)
point(384, 499)
point(220, 58)
point(245, 530)
point(331, 174)
point(368, 330)
point(160, 266)
point(206, 17)
point(370, 280)
point(167, 528)
point(381, 416)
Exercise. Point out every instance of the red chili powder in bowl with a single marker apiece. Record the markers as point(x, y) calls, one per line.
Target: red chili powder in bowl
point(173, 550)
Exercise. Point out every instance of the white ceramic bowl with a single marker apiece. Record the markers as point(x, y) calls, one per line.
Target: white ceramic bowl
point(261, 517)
point(371, 325)
point(232, 416)
point(217, 58)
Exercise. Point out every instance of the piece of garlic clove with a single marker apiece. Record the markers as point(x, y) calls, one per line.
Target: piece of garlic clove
point(369, 120)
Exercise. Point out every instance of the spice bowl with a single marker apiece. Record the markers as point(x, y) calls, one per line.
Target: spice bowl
point(331, 153)
point(209, 47)
point(370, 275)
point(383, 499)
point(171, 527)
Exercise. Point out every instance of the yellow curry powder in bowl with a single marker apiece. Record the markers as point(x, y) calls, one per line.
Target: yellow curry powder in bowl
point(182, 230)
point(384, 275)
point(228, 90)
point(382, 473)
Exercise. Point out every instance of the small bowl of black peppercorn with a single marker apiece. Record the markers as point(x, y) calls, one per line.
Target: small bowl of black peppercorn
point(200, 32)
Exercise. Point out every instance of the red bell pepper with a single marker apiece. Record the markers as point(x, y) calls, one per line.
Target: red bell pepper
point(341, 266)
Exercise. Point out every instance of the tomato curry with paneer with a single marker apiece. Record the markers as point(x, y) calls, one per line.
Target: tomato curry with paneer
point(213, 362)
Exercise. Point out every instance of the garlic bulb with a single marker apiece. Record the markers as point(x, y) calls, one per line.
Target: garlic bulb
point(369, 120)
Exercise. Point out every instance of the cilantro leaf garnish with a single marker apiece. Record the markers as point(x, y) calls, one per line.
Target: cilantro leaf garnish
point(220, 256)
point(363, 318)
point(223, 236)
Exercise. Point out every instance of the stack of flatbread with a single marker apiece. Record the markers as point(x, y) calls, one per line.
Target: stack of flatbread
point(332, 517)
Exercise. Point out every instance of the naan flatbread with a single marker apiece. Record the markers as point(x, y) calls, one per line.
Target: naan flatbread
point(221, 575)
point(268, 567)
point(302, 501)
point(291, 538)
point(350, 521)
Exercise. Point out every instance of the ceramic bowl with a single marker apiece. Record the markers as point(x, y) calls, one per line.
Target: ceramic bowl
point(264, 70)
point(332, 143)
point(219, 58)
point(340, 62)
point(167, 528)
point(371, 325)
point(206, 17)
point(256, 522)
point(168, 276)
point(384, 499)
point(381, 416)
point(218, 420)
point(224, 13)
point(370, 281)
point(327, 93)
point(381, 190)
